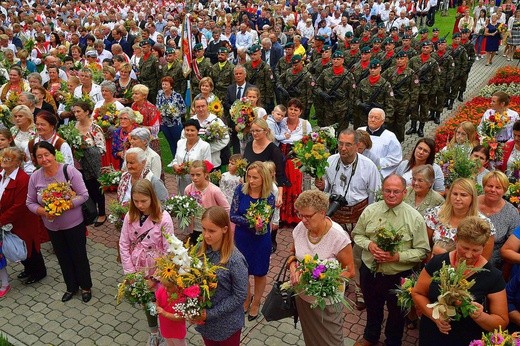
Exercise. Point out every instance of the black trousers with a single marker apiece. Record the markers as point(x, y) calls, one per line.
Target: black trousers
point(70, 246)
point(34, 266)
point(94, 190)
point(377, 290)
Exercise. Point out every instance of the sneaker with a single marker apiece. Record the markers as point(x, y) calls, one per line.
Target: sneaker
point(360, 300)
point(4, 291)
point(153, 340)
point(170, 164)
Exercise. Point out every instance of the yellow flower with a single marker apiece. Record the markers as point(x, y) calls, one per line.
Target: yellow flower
point(307, 258)
point(168, 271)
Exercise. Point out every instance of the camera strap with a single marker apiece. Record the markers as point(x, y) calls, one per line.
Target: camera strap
point(354, 166)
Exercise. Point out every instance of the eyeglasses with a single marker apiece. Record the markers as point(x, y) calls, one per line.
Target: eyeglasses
point(7, 159)
point(257, 131)
point(306, 217)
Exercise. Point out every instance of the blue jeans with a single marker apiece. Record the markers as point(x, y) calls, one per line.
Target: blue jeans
point(172, 134)
point(480, 38)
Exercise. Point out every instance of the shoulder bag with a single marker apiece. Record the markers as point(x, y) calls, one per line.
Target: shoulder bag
point(89, 208)
point(13, 247)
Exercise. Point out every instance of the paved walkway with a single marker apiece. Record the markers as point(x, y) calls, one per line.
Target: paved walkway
point(35, 315)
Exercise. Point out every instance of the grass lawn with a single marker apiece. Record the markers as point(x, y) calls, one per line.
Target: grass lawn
point(445, 24)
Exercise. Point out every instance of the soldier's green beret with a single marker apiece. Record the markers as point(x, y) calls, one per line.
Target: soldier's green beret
point(442, 40)
point(254, 48)
point(144, 43)
point(338, 54)
point(394, 28)
point(435, 29)
point(426, 43)
point(289, 45)
point(355, 40)
point(406, 37)
point(365, 50)
point(198, 47)
point(423, 31)
point(374, 63)
point(465, 31)
point(376, 40)
point(388, 40)
point(296, 59)
point(223, 50)
point(367, 27)
point(170, 50)
point(319, 38)
point(402, 54)
point(326, 47)
point(455, 35)
point(381, 25)
point(349, 34)
point(407, 28)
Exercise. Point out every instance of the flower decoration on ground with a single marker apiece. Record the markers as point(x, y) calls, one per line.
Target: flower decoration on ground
point(57, 198)
point(74, 138)
point(404, 292)
point(322, 280)
point(215, 107)
point(135, 289)
point(183, 208)
point(455, 163)
point(5, 116)
point(497, 338)
point(242, 114)
point(259, 215)
point(454, 300)
point(312, 152)
point(506, 75)
point(214, 132)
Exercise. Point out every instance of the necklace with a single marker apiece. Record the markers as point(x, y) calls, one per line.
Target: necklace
point(316, 240)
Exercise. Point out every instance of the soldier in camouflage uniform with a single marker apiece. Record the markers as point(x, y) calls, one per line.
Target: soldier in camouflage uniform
point(316, 67)
point(353, 54)
point(446, 66)
point(334, 94)
point(259, 74)
point(466, 43)
point(427, 71)
point(173, 68)
point(345, 45)
point(149, 72)
point(360, 68)
point(381, 32)
point(204, 65)
point(405, 85)
point(460, 58)
point(285, 62)
point(435, 38)
point(319, 43)
point(366, 38)
point(222, 73)
point(374, 92)
point(406, 46)
point(394, 36)
point(387, 56)
point(376, 46)
point(296, 83)
point(423, 37)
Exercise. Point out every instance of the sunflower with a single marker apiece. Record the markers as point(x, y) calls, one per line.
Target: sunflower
point(168, 271)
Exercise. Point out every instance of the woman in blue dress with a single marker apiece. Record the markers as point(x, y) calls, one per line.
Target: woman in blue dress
point(492, 39)
point(253, 242)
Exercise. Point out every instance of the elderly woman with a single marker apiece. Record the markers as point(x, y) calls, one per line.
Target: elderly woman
point(253, 243)
point(206, 89)
point(140, 138)
point(90, 162)
point(136, 169)
point(173, 110)
point(54, 82)
point(442, 221)
point(499, 105)
point(473, 234)
point(511, 151)
point(422, 154)
point(206, 119)
point(480, 154)
point(420, 194)
point(150, 113)
point(15, 85)
point(87, 86)
point(13, 210)
point(109, 73)
point(67, 231)
point(127, 122)
point(502, 214)
point(35, 82)
point(46, 125)
point(189, 148)
point(27, 66)
point(318, 235)
point(39, 93)
point(124, 85)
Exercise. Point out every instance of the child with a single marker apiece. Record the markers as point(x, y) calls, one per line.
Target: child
point(274, 119)
point(229, 180)
point(204, 191)
point(276, 216)
point(222, 323)
point(253, 95)
point(173, 329)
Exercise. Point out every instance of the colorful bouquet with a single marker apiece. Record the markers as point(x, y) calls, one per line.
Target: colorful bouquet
point(117, 214)
point(242, 114)
point(70, 100)
point(502, 28)
point(107, 117)
point(214, 132)
point(135, 290)
point(109, 180)
point(311, 154)
point(488, 131)
point(404, 292)
point(169, 110)
point(5, 116)
point(195, 278)
point(215, 107)
point(241, 165)
point(454, 300)
point(12, 100)
point(74, 138)
point(184, 208)
point(456, 163)
point(97, 73)
point(497, 338)
point(259, 215)
point(184, 168)
point(322, 280)
point(328, 135)
point(57, 198)
point(513, 194)
point(387, 239)
point(514, 172)
point(215, 177)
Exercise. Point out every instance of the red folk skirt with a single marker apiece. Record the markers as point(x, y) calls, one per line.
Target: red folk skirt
point(290, 193)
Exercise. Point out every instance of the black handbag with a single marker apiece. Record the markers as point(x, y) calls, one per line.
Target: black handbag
point(89, 208)
point(280, 303)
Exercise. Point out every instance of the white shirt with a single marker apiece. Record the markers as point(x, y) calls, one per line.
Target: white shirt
point(45, 75)
point(200, 151)
point(438, 184)
point(364, 184)
point(304, 127)
point(95, 93)
point(105, 54)
point(243, 40)
point(4, 181)
point(216, 146)
point(386, 150)
point(341, 30)
point(507, 132)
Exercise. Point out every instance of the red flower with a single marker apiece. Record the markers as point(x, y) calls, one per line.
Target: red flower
point(492, 118)
point(192, 291)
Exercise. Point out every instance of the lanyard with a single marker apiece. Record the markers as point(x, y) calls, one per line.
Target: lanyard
point(354, 166)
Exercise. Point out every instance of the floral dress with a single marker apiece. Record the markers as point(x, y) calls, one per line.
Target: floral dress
point(228, 185)
point(172, 108)
point(90, 163)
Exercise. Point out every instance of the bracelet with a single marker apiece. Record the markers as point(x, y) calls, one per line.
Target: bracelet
point(290, 260)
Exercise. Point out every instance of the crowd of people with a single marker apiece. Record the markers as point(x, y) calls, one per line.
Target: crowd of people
point(115, 71)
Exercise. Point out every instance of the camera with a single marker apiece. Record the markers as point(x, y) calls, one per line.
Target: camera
point(336, 201)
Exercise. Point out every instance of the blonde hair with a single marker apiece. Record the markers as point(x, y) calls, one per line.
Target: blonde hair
point(141, 88)
point(468, 186)
point(25, 111)
point(264, 126)
point(315, 199)
point(271, 167)
point(267, 181)
point(200, 164)
point(499, 176)
point(207, 80)
point(474, 230)
point(258, 94)
point(220, 217)
point(471, 132)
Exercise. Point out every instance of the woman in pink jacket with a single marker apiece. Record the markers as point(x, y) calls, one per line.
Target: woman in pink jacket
point(142, 239)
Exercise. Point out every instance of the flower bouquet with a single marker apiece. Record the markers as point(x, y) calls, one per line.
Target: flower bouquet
point(311, 155)
point(107, 117)
point(183, 208)
point(70, 100)
point(215, 177)
point(5, 116)
point(387, 239)
point(454, 300)
point(109, 180)
point(12, 100)
point(488, 131)
point(513, 193)
point(74, 138)
point(514, 172)
point(135, 290)
point(138, 117)
point(57, 198)
point(242, 114)
point(502, 28)
point(498, 338)
point(404, 292)
point(241, 165)
point(214, 132)
point(259, 215)
point(322, 280)
point(216, 107)
point(184, 168)
point(455, 163)
point(117, 214)
point(97, 73)
point(169, 110)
